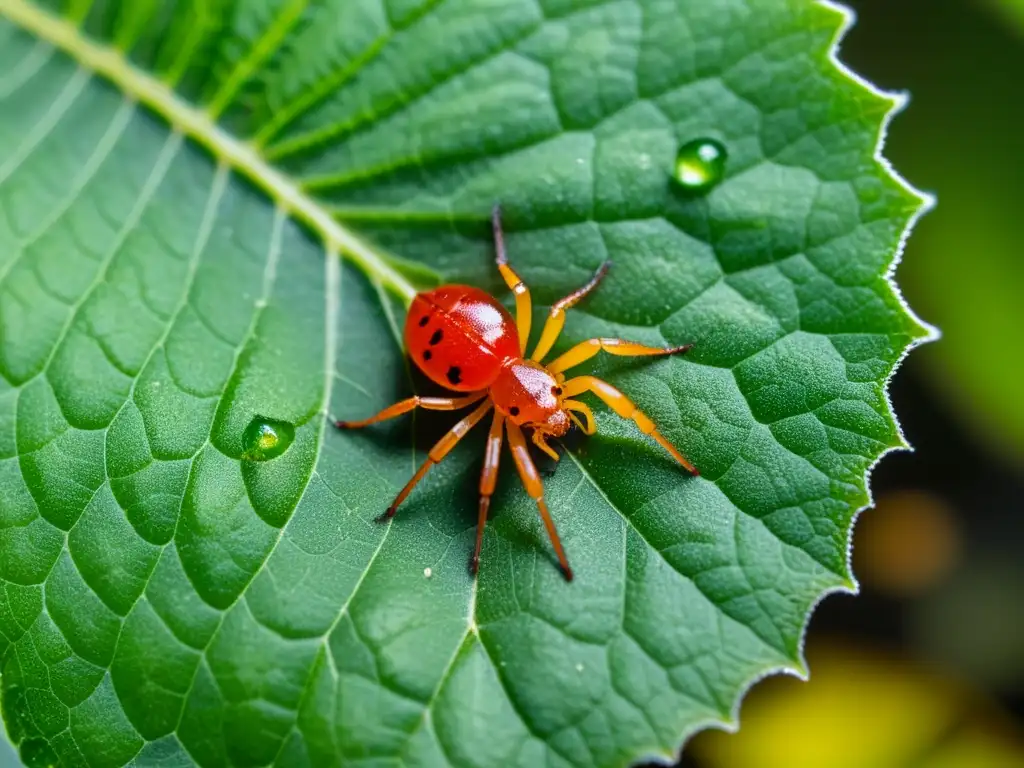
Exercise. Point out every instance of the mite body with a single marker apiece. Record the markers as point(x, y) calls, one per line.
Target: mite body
point(465, 340)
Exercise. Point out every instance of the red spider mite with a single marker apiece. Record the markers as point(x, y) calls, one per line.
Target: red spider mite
point(465, 340)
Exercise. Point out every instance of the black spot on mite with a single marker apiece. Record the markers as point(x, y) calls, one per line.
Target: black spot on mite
point(514, 410)
point(436, 338)
point(427, 354)
point(424, 320)
point(455, 375)
point(556, 390)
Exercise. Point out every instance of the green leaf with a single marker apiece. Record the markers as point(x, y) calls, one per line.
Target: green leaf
point(176, 181)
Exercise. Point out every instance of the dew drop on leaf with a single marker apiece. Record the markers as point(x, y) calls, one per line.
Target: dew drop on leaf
point(266, 439)
point(700, 165)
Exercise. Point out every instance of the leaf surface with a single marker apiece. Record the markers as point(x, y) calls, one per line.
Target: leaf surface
point(176, 182)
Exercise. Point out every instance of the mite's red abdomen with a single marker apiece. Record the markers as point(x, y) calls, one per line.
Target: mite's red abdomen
point(459, 336)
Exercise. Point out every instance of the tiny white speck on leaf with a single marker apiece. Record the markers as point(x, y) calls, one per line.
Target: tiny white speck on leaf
point(428, 572)
point(579, 667)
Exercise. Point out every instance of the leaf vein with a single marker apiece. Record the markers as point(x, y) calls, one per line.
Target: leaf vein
point(397, 104)
point(40, 131)
point(264, 47)
point(26, 69)
point(318, 91)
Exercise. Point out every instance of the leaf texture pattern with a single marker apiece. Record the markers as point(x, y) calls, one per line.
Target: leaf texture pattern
point(177, 182)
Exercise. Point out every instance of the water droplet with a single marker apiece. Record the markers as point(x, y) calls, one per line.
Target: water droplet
point(266, 439)
point(700, 165)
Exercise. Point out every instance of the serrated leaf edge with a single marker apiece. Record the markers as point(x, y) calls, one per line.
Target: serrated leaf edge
point(929, 333)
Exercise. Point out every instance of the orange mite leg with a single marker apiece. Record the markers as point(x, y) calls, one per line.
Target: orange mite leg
point(556, 317)
point(488, 479)
point(625, 408)
point(438, 452)
point(524, 307)
point(587, 349)
point(588, 415)
point(531, 480)
point(430, 403)
point(541, 441)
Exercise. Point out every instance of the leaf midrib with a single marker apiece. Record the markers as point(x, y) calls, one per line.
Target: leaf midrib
point(200, 126)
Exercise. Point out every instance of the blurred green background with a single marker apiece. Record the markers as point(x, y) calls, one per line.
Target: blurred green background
point(926, 667)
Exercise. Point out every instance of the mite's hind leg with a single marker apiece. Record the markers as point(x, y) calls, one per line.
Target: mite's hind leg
point(531, 479)
point(524, 308)
point(404, 406)
point(625, 408)
point(488, 479)
point(438, 452)
point(556, 317)
point(541, 441)
point(587, 349)
point(588, 425)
